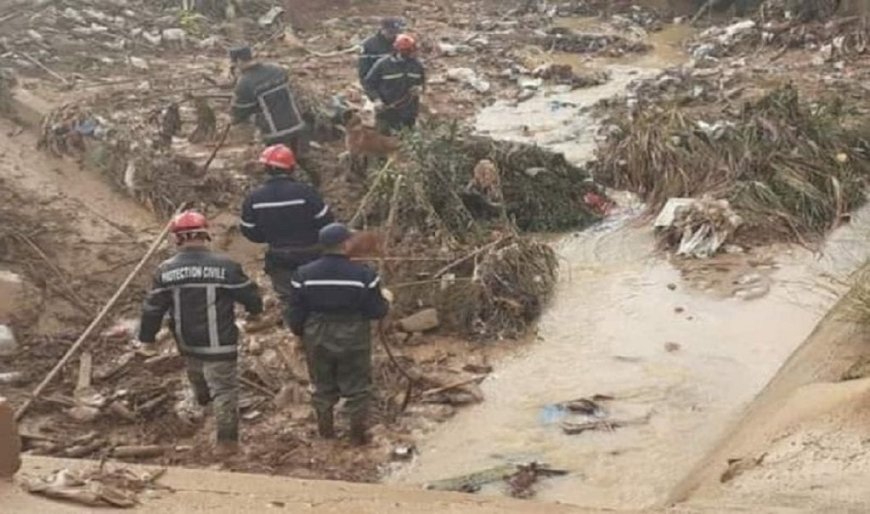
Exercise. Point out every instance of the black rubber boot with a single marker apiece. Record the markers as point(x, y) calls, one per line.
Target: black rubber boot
point(358, 428)
point(325, 424)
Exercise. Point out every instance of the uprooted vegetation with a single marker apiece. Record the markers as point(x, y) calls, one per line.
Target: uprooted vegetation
point(791, 168)
point(468, 192)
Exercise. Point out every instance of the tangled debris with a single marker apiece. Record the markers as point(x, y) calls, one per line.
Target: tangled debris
point(66, 38)
point(790, 169)
point(103, 486)
point(541, 191)
point(610, 45)
point(472, 195)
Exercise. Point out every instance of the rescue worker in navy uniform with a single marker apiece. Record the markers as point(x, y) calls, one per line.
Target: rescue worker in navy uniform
point(263, 92)
point(395, 84)
point(287, 215)
point(334, 301)
point(378, 46)
point(199, 289)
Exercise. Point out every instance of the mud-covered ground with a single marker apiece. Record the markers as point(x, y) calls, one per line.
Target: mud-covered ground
point(120, 67)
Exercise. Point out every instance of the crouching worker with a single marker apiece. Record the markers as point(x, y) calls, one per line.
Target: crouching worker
point(334, 301)
point(199, 289)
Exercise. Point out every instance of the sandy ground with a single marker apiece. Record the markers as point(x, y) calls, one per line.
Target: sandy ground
point(209, 491)
point(802, 444)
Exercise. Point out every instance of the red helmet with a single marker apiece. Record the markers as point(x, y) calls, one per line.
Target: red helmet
point(405, 44)
point(278, 156)
point(188, 222)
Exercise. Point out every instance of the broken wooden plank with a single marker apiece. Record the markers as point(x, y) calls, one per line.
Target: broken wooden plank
point(86, 368)
point(454, 385)
point(473, 481)
point(141, 452)
point(122, 411)
point(83, 450)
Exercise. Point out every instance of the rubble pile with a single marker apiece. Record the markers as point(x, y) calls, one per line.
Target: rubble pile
point(74, 38)
point(641, 15)
point(790, 169)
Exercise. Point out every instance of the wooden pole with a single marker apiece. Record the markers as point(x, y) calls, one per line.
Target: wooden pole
point(97, 320)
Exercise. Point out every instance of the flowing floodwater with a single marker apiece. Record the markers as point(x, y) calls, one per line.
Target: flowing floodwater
point(627, 323)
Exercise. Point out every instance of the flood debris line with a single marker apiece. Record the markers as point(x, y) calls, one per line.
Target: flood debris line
point(102, 486)
point(66, 37)
point(792, 170)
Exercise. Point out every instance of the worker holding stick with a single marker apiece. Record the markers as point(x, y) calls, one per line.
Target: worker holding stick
point(199, 289)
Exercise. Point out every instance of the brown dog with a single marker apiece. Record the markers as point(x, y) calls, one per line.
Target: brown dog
point(362, 142)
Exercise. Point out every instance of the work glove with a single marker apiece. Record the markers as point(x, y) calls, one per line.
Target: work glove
point(415, 91)
point(379, 105)
point(388, 295)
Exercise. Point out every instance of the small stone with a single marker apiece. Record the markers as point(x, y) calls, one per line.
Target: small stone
point(672, 347)
point(427, 319)
point(139, 63)
point(8, 344)
point(672, 286)
point(83, 413)
point(174, 35)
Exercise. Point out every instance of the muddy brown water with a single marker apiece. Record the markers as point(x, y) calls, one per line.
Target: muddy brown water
point(625, 323)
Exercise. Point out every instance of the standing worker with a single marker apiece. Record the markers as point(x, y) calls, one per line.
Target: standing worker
point(378, 46)
point(334, 301)
point(199, 288)
point(395, 84)
point(287, 215)
point(263, 92)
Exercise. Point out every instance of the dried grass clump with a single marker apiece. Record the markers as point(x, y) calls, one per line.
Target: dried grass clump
point(790, 169)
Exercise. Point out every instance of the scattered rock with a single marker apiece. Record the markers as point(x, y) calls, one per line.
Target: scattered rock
point(679, 310)
point(422, 321)
point(174, 35)
point(672, 286)
point(139, 63)
point(672, 347)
